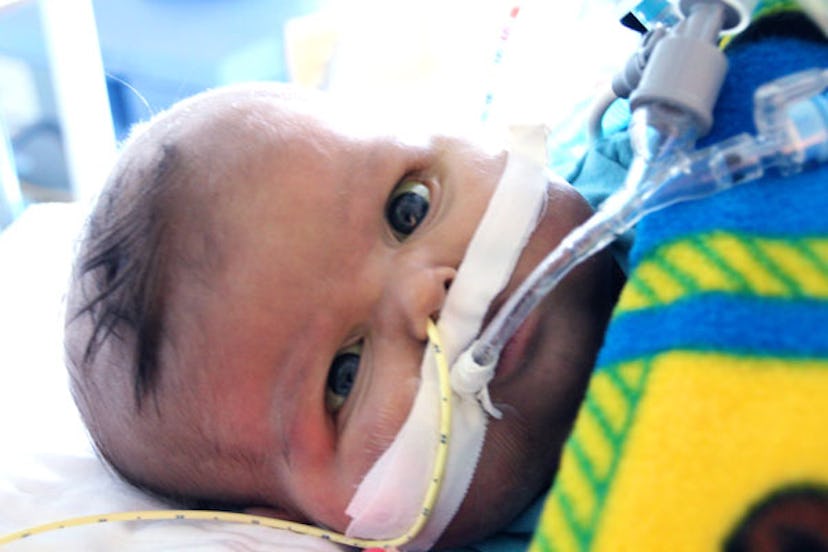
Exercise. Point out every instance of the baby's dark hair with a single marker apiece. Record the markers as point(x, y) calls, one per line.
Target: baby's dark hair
point(135, 238)
point(122, 268)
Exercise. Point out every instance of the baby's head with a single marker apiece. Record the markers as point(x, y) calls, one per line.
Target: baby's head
point(248, 309)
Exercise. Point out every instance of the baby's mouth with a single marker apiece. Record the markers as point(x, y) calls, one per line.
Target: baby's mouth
point(514, 355)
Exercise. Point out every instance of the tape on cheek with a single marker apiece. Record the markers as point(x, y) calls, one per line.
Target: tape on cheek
point(390, 497)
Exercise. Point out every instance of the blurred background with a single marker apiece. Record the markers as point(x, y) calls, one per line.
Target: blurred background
point(75, 75)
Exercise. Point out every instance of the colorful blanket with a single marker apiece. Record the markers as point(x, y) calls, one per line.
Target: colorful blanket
point(705, 425)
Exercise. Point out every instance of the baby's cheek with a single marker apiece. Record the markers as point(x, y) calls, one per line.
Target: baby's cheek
point(378, 422)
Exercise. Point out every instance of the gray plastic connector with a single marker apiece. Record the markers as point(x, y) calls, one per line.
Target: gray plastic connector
point(686, 68)
point(626, 80)
point(736, 15)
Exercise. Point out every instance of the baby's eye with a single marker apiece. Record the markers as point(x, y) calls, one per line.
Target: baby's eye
point(341, 377)
point(407, 207)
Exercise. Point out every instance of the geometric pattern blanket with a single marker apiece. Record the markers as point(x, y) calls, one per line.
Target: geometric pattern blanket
point(705, 424)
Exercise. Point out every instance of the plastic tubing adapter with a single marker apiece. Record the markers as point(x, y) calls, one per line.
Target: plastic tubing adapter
point(686, 68)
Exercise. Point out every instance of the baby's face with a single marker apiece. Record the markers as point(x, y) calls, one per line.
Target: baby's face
point(297, 357)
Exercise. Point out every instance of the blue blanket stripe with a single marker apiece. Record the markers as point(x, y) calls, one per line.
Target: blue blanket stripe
point(746, 325)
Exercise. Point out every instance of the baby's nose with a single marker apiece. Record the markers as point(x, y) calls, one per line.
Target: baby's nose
point(418, 295)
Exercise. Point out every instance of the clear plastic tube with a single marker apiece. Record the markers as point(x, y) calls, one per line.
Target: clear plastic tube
point(792, 118)
point(665, 124)
point(658, 132)
point(617, 214)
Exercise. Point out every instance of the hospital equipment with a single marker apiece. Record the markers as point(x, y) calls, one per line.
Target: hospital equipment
point(666, 120)
point(80, 92)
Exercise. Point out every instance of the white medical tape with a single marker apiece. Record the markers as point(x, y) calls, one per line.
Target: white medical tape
point(390, 496)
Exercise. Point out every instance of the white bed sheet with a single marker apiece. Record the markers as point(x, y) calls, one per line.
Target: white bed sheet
point(48, 470)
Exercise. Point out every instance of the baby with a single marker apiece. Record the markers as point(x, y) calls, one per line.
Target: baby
point(248, 309)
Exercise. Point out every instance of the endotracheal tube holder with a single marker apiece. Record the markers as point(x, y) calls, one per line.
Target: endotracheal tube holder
point(791, 117)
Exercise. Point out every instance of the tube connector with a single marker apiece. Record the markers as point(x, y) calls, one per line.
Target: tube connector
point(792, 114)
point(626, 80)
point(736, 13)
point(470, 379)
point(686, 69)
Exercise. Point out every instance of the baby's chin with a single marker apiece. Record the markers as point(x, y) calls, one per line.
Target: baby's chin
point(479, 519)
point(508, 480)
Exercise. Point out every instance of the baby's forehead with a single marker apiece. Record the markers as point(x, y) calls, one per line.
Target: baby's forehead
point(208, 111)
point(197, 135)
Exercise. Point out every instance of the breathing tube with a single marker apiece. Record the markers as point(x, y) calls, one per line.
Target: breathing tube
point(674, 82)
point(791, 116)
point(672, 107)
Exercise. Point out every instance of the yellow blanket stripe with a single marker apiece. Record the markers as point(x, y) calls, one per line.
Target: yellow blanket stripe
point(730, 263)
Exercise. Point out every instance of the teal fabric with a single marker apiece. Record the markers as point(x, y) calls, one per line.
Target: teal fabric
point(515, 537)
point(603, 169)
point(599, 174)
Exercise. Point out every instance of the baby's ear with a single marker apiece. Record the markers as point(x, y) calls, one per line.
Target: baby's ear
point(273, 512)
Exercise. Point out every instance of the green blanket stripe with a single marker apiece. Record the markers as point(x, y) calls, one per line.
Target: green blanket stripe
point(769, 7)
point(729, 262)
point(592, 453)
